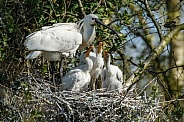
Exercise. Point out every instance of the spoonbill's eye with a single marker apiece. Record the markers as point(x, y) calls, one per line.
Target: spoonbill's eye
point(93, 18)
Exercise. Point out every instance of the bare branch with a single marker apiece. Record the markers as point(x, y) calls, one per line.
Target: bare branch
point(165, 71)
point(146, 86)
point(140, 71)
point(145, 38)
point(65, 102)
point(82, 8)
point(97, 6)
point(130, 60)
point(153, 19)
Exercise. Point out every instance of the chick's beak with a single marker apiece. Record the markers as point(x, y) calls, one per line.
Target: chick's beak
point(99, 47)
point(88, 51)
point(106, 54)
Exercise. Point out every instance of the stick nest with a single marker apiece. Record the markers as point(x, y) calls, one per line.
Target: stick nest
point(37, 100)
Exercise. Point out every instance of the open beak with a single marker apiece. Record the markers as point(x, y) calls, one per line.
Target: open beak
point(106, 55)
point(101, 23)
point(99, 47)
point(88, 51)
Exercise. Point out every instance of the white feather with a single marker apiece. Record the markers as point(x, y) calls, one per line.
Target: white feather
point(98, 64)
point(33, 54)
point(78, 78)
point(64, 38)
point(112, 77)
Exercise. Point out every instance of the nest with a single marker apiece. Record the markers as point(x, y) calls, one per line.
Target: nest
point(38, 100)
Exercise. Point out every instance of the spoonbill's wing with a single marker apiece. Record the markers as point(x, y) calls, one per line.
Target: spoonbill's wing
point(119, 74)
point(61, 37)
point(33, 54)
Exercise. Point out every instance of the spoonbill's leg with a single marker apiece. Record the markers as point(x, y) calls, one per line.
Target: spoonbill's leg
point(94, 84)
point(61, 67)
point(98, 84)
point(52, 69)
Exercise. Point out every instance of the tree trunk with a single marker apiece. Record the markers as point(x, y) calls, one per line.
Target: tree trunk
point(176, 81)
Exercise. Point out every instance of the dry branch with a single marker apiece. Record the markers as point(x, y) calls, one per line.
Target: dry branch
point(39, 102)
point(82, 8)
point(157, 51)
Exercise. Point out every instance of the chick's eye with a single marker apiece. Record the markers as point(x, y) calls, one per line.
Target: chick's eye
point(93, 18)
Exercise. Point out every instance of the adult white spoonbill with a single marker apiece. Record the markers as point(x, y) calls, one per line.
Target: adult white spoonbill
point(112, 77)
point(98, 63)
point(62, 39)
point(78, 78)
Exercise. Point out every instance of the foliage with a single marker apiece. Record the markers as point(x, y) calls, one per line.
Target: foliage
point(142, 26)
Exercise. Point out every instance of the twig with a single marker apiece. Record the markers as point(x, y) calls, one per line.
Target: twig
point(97, 6)
point(146, 86)
point(157, 51)
point(86, 106)
point(52, 7)
point(166, 69)
point(82, 8)
point(153, 19)
point(65, 102)
point(130, 60)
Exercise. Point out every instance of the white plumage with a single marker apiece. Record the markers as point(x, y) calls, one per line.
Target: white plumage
point(92, 56)
point(78, 78)
point(52, 41)
point(112, 77)
point(62, 39)
point(98, 63)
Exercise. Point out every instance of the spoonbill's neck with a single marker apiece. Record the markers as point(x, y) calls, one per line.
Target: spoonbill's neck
point(107, 63)
point(99, 55)
point(89, 64)
point(88, 35)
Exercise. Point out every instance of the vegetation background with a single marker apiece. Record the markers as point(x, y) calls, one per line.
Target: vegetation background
point(152, 30)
